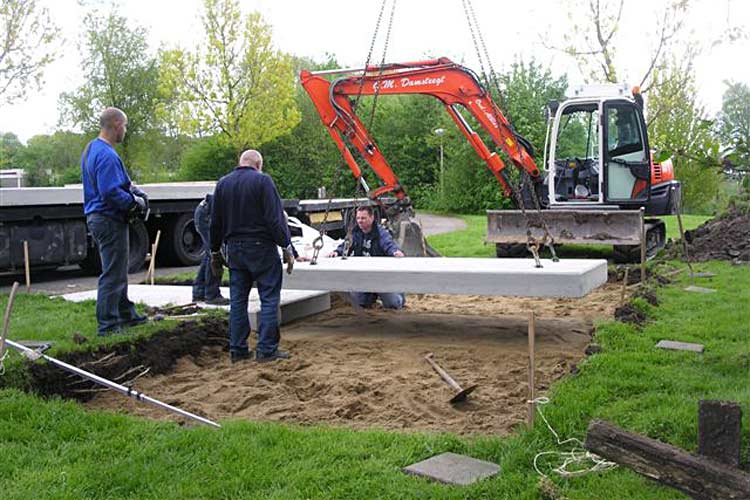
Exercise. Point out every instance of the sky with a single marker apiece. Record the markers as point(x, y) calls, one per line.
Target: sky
point(421, 28)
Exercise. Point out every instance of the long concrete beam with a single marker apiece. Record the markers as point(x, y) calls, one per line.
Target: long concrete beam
point(458, 276)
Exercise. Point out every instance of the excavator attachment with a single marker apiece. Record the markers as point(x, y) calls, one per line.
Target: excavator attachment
point(407, 231)
point(624, 229)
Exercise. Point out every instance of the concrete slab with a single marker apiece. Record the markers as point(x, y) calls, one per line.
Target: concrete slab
point(680, 346)
point(451, 468)
point(699, 289)
point(459, 276)
point(295, 304)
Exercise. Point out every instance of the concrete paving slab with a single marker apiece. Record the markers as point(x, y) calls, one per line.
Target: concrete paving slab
point(295, 304)
point(451, 468)
point(680, 346)
point(699, 289)
point(459, 276)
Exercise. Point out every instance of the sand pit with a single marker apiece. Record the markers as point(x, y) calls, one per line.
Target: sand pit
point(367, 370)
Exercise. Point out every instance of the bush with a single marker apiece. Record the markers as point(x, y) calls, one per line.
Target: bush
point(208, 159)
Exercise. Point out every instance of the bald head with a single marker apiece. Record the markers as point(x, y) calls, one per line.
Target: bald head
point(113, 123)
point(251, 158)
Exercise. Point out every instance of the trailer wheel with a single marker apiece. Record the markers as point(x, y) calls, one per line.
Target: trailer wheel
point(138, 239)
point(183, 244)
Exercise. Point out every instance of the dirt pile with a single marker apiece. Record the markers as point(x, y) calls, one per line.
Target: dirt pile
point(724, 238)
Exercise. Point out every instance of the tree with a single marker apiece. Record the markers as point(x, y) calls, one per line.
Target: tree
point(734, 125)
point(593, 38)
point(28, 46)
point(120, 72)
point(684, 132)
point(10, 148)
point(52, 160)
point(235, 83)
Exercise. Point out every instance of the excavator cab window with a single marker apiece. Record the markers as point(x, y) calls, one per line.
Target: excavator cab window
point(627, 163)
point(577, 154)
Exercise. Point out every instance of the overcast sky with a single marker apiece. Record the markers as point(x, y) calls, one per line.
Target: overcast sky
point(422, 27)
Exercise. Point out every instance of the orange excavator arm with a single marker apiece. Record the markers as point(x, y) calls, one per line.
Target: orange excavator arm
point(454, 85)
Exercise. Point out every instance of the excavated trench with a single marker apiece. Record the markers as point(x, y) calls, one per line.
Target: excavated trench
point(360, 369)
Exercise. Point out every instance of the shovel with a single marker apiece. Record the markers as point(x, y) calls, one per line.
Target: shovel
point(461, 394)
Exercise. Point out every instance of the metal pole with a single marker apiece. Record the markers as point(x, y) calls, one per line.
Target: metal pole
point(442, 170)
point(127, 391)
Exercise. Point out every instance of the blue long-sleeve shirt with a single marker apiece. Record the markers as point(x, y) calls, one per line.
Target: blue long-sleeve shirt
point(106, 184)
point(376, 243)
point(247, 206)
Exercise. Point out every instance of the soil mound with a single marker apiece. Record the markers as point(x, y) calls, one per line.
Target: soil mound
point(724, 238)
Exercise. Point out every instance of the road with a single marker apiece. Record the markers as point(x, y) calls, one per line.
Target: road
point(71, 279)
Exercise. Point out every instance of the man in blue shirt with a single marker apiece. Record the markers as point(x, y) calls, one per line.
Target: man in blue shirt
point(109, 200)
point(370, 239)
point(248, 218)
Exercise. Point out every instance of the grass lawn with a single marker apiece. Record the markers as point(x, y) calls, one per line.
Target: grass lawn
point(53, 448)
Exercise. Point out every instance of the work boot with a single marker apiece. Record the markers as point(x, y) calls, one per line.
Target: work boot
point(138, 320)
point(236, 356)
point(218, 301)
point(277, 354)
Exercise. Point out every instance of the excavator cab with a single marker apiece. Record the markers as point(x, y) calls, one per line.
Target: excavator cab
point(599, 152)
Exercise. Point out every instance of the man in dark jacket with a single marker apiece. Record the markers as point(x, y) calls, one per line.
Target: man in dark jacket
point(109, 200)
point(370, 239)
point(248, 218)
point(206, 283)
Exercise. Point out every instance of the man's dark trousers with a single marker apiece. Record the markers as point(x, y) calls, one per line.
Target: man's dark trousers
point(113, 309)
point(253, 261)
point(206, 285)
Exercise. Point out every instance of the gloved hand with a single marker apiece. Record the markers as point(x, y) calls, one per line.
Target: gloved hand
point(287, 256)
point(217, 264)
point(138, 209)
point(136, 191)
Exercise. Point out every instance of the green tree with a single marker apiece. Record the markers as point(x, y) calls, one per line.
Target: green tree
point(120, 72)
point(28, 46)
point(10, 148)
point(734, 125)
point(235, 83)
point(53, 160)
point(684, 132)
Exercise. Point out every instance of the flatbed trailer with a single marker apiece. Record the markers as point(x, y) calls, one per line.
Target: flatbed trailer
point(51, 220)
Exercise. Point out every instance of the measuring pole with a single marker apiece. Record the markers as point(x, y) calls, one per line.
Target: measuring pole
point(532, 368)
point(127, 391)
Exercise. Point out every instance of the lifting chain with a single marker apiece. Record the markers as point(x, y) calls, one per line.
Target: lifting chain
point(318, 243)
point(531, 243)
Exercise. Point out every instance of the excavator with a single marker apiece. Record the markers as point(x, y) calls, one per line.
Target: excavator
point(600, 179)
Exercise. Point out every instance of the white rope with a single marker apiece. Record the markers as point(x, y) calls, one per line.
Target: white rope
point(578, 455)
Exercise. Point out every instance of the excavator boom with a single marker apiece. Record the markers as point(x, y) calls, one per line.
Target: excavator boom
point(454, 85)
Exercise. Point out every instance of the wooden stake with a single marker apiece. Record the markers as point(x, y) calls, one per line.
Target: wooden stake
point(624, 285)
point(27, 265)
point(152, 263)
point(6, 319)
point(532, 368)
point(678, 210)
point(643, 247)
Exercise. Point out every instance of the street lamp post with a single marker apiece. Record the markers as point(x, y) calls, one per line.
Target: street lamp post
point(440, 132)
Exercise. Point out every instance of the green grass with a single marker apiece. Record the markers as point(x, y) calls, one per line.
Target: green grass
point(52, 448)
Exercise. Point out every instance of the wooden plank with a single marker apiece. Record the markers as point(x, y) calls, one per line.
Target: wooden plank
point(720, 431)
point(697, 476)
